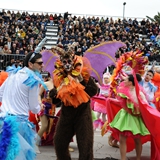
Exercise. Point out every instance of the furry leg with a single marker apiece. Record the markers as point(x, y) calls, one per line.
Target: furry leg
point(63, 135)
point(84, 134)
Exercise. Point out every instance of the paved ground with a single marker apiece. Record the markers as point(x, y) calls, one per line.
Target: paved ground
point(101, 150)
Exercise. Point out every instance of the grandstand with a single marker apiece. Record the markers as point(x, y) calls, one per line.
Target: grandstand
point(21, 31)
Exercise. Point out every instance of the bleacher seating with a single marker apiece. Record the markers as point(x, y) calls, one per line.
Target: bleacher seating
point(21, 31)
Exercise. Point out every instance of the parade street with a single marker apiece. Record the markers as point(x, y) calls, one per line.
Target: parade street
point(102, 151)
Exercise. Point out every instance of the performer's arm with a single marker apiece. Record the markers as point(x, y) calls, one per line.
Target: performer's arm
point(143, 97)
point(40, 94)
point(33, 100)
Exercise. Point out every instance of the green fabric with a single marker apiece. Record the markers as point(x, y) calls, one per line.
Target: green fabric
point(130, 105)
point(123, 121)
point(93, 116)
point(122, 95)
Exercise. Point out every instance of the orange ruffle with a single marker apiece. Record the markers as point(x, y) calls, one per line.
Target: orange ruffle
point(70, 91)
point(73, 94)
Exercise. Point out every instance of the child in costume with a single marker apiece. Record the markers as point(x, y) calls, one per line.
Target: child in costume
point(99, 107)
point(74, 87)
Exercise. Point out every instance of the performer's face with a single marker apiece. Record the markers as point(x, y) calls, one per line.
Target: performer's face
point(37, 65)
point(106, 80)
point(148, 76)
point(127, 82)
point(67, 64)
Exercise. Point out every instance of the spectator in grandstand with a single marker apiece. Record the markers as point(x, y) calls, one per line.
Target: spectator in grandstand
point(158, 40)
point(6, 50)
point(51, 18)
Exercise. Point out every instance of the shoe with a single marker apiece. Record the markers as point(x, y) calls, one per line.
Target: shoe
point(71, 149)
point(38, 140)
point(114, 144)
point(110, 139)
point(37, 150)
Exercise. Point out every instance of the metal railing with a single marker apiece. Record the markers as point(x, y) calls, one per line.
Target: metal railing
point(17, 60)
point(10, 59)
point(72, 14)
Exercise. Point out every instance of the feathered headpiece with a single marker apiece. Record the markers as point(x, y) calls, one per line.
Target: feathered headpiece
point(135, 60)
point(38, 48)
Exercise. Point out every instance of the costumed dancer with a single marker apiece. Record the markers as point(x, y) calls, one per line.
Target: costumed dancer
point(19, 95)
point(99, 107)
point(74, 87)
point(149, 115)
point(126, 62)
point(128, 121)
point(46, 116)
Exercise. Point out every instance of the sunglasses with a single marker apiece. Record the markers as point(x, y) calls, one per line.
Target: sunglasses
point(67, 61)
point(40, 63)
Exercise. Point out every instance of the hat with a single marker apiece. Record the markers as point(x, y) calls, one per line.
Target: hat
point(106, 75)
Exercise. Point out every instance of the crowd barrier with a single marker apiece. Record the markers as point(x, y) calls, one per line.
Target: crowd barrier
point(9, 59)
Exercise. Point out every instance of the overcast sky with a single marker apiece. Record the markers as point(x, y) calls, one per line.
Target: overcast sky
point(133, 8)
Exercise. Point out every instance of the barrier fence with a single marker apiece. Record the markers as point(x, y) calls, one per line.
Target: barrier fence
point(10, 59)
point(17, 60)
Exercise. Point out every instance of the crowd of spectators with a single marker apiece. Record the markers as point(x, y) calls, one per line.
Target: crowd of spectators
point(21, 32)
point(91, 31)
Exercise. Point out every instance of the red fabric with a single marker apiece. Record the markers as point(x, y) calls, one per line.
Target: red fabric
point(32, 119)
point(99, 99)
point(151, 118)
point(113, 107)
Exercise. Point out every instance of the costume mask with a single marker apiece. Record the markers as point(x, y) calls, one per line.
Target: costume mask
point(66, 56)
point(67, 64)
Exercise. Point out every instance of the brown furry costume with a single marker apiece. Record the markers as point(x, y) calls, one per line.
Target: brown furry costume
point(75, 121)
point(74, 87)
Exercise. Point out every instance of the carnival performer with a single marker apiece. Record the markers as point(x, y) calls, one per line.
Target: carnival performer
point(74, 87)
point(149, 87)
point(19, 94)
point(45, 116)
point(128, 121)
point(99, 107)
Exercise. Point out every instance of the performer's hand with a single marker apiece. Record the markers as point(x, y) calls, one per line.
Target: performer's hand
point(42, 106)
